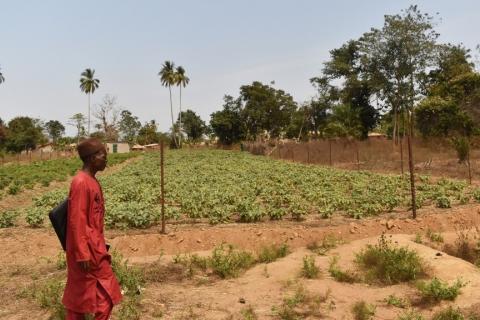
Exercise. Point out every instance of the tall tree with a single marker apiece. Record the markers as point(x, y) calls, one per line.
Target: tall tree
point(88, 84)
point(148, 133)
point(24, 133)
point(129, 126)
point(55, 130)
point(194, 125)
point(398, 57)
point(3, 134)
point(168, 78)
point(266, 109)
point(78, 121)
point(181, 79)
point(227, 124)
point(107, 114)
point(2, 78)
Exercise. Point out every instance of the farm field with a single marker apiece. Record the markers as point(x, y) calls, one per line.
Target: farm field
point(283, 221)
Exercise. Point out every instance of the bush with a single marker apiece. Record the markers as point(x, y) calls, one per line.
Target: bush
point(393, 300)
point(449, 314)
point(48, 294)
point(129, 309)
point(130, 278)
point(329, 242)
point(7, 218)
point(410, 315)
point(228, 263)
point(35, 216)
point(340, 275)
point(390, 264)
point(310, 270)
point(434, 236)
point(443, 202)
point(271, 253)
point(437, 290)
point(363, 311)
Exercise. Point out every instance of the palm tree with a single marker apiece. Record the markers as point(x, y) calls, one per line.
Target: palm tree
point(168, 78)
point(88, 85)
point(181, 79)
point(2, 79)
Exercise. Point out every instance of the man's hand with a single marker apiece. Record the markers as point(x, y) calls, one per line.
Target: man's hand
point(84, 266)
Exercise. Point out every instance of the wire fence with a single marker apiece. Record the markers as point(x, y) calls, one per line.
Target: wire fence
point(431, 157)
point(35, 155)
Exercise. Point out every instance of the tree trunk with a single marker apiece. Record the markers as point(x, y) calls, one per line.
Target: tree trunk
point(89, 114)
point(401, 154)
point(171, 113)
point(162, 188)
point(330, 149)
point(180, 118)
point(411, 168)
point(469, 168)
point(358, 156)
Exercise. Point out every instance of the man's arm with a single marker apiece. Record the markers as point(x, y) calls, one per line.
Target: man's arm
point(77, 223)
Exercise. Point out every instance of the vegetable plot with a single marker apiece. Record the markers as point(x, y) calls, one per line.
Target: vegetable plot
point(223, 186)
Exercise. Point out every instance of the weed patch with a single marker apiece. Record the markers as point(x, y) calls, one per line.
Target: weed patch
point(437, 290)
point(363, 311)
point(329, 242)
point(449, 314)
point(340, 275)
point(271, 253)
point(389, 264)
point(309, 269)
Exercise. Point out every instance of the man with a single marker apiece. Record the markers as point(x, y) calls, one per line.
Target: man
point(91, 285)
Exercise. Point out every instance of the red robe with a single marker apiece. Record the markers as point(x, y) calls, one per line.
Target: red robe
point(86, 241)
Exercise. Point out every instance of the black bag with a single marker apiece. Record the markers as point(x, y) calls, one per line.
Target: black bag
point(58, 217)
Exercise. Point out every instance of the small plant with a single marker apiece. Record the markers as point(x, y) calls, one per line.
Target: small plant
point(388, 263)
point(340, 275)
point(418, 238)
point(248, 313)
point(329, 242)
point(272, 253)
point(434, 236)
point(449, 314)
point(7, 218)
point(363, 311)
point(228, 263)
point(130, 309)
point(48, 294)
point(14, 188)
point(437, 290)
point(192, 263)
point(310, 270)
point(61, 261)
point(393, 300)
point(410, 315)
point(130, 278)
point(301, 305)
point(35, 216)
point(443, 202)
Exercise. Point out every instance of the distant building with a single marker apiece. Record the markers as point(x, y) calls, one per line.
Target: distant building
point(376, 135)
point(152, 146)
point(138, 147)
point(117, 147)
point(46, 148)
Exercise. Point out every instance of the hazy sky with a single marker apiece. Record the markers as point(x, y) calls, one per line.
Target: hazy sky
point(222, 44)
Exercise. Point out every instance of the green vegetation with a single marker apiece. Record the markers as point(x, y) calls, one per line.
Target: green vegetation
point(48, 295)
point(434, 236)
point(7, 218)
point(309, 269)
point(363, 311)
point(130, 278)
point(389, 264)
point(449, 314)
point(395, 301)
point(249, 314)
point(228, 262)
point(301, 305)
point(437, 290)
point(410, 315)
point(340, 275)
point(328, 242)
point(271, 253)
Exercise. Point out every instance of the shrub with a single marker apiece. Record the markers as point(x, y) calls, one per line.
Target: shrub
point(437, 290)
point(434, 236)
point(449, 314)
point(301, 305)
point(363, 311)
point(131, 279)
point(35, 216)
point(410, 315)
point(228, 263)
point(61, 261)
point(340, 275)
point(7, 218)
point(390, 264)
point(248, 313)
point(329, 242)
point(393, 300)
point(14, 188)
point(418, 238)
point(310, 270)
point(271, 253)
point(129, 309)
point(443, 202)
point(48, 294)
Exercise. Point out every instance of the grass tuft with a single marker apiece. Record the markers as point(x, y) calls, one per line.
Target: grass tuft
point(437, 290)
point(363, 311)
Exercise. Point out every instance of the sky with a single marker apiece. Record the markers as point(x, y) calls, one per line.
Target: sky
point(222, 44)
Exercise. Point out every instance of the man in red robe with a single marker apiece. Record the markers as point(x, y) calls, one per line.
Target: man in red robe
point(91, 284)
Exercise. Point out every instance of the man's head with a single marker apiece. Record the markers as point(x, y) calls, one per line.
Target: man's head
point(93, 154)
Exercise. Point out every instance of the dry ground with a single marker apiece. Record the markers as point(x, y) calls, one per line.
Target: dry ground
point(30, 254)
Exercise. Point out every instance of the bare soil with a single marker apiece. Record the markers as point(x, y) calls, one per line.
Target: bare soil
point(30, 254)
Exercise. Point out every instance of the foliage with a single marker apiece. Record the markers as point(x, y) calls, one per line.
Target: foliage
point(131, 279)
point(227, 262)
point(434, 236)
point(363, 311)
point(192, 124)
point(272, 253)
point(300, 305)
point(437, 290)
point(462, 146)
point(227, 124)
point(448, 314)
point(24, 133)
point(388, 263)
point(55, 129)
point(7, 218)
point(393, 300)
point(129, 126)
point(410, 315)
point(339, 274)
point(309, 269)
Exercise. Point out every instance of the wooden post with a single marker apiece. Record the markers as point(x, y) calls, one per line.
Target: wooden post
point(401, 154)
point(411, 167)
point(41, 154)
point(308, 153)
point(330, 147)
point(162, 186)
point(358, 155)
